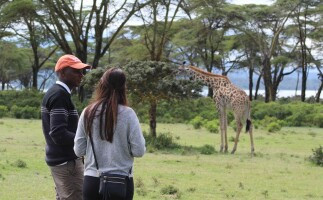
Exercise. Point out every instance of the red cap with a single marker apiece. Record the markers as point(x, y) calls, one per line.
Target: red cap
point(70, 61)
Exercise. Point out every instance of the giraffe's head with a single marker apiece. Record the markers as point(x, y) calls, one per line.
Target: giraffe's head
point(183, 70)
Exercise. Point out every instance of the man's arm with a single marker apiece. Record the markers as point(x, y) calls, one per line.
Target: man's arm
point(59, 123)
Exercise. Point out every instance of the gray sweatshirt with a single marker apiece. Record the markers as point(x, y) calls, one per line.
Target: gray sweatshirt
point(116, 157)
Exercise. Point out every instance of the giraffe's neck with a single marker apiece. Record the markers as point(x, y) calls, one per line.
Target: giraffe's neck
point(211, 80)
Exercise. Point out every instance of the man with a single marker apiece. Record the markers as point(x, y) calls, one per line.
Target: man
point(59, 121)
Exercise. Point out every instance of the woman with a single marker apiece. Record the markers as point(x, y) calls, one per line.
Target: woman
point(115, 131)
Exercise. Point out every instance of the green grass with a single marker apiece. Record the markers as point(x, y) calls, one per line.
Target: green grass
point(278, 171)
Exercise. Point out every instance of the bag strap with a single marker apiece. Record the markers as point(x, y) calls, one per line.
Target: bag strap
point(96, 162)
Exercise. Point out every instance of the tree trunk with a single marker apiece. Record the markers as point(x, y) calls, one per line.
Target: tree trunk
point(318, 94)
point(257, 87)
point(152, 118)
point(250, 83)
point(3, 85)
point(267, 79)
point(35, 78)
point(304, 79)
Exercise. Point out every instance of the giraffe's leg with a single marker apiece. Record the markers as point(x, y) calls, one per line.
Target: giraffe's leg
point(251, 141)
point(222, 135)
point(225, 126)
point(222, 129)
point(239, 127)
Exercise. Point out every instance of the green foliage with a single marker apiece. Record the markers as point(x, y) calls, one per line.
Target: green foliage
point(274, 127)
point(212, 126)
point(317, 157)
point(197, 122)
point(162, 141)
point(207, 149)
point(272, 109)
point(318, 120)
point(12, 61)
point(150, 81)
point(26, 112)
point(3, 111)
point(233, 124)
point(22, 98)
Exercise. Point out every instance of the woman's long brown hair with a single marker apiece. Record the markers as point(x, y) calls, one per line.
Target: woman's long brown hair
point(109, 93)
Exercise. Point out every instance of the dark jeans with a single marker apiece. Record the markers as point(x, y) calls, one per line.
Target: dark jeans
point(91, 188)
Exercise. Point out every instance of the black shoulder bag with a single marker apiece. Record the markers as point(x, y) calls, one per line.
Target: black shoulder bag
point(112, 186)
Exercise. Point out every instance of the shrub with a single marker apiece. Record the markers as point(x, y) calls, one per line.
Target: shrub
point(207, 149)
point(318, 120)
point(3, 111)
point(16, 111)
point(274, 127)
point(162, 141)
point(197, 122)
point(212, 126)
point(317, 157)
point(26, 112)
point(273, 109)
point(233, 124)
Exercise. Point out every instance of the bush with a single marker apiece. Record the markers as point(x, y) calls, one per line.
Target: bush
point(197, 122)
point(233, 124)
point(318, 120)
point(317, 157)
point(207, 149)
point(162, 141)
point(274, 127)
point(3, 111)
point(212, 126)
point(26, 112)
point(22, 98)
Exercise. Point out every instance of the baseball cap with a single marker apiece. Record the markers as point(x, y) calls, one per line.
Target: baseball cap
point(70, 61)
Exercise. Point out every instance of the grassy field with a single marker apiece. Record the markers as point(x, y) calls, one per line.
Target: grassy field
point(278, 171)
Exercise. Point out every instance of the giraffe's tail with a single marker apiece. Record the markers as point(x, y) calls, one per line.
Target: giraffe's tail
point(248, 121)
point(248, 125)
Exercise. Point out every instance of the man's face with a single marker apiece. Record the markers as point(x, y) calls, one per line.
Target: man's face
point(71, 77)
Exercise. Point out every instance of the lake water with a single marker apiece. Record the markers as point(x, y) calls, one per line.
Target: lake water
point(281, 93)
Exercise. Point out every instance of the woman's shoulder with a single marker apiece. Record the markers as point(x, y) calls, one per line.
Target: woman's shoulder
point(125, 109)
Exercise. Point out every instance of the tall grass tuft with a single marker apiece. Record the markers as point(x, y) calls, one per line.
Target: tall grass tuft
point(317, 157)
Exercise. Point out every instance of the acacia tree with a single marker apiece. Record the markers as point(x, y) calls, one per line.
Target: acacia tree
point(155, 33)
point(306, 17)
point(65, 21)
point(251, 61)
point(4, 24)
point(215, 18)
point(157, 20)
point(12, 60)
point(267, 22)
point(22, 14)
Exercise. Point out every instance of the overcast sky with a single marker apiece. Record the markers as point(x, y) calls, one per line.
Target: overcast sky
point(251, 1)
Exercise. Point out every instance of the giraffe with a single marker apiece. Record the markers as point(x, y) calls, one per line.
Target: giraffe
point(226, 96)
